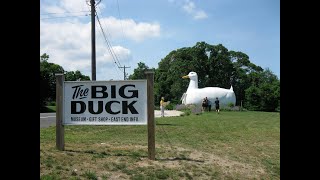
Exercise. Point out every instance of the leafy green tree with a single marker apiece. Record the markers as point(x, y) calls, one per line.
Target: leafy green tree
point(44, 88)
point(138, 73)
point(49, 70)
point(212, 64)
point(264, 93)
point(48, 79)
point(76, 76)
point(253, 98)
point(216, 66)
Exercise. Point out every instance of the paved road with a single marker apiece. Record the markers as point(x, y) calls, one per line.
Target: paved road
point(49, 119)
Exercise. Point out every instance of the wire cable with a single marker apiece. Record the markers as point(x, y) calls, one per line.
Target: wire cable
point(63, 17)
point(64, 13)
point(119, 64)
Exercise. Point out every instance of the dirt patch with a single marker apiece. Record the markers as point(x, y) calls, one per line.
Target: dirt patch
point(227, 165)
point(194, 163)
point(202, 160)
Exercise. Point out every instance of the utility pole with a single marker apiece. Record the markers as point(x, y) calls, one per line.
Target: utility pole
point(124, 71)
point(93, 37)
point(93, 40)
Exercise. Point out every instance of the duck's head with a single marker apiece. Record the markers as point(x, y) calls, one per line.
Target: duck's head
point(191, 76)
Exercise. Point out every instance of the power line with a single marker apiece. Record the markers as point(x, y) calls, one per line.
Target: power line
point(63, 17)
point(114, 56)
point(104, 23)
point(120, 19)
point(109, 46)
point(115, 64)
point(109, 41)
point(102, 34)
point(64, 12)
point(124, 71)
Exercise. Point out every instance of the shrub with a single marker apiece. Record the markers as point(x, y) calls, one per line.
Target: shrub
point(231, 105)
point(51, 103)
point(170, 106)
point(186, 112)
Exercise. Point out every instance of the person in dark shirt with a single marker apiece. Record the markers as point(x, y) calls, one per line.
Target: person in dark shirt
point(217, 105)
point(209, 104)
point(204, 104)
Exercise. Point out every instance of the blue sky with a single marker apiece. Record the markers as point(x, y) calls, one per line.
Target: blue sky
point(147, 31)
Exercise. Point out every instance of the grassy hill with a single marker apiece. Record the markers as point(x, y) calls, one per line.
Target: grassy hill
point(229, 145)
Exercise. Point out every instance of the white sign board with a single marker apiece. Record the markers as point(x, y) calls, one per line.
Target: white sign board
point(105, 102)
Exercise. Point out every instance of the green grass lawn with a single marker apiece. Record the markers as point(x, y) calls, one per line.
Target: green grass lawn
point(229, 145)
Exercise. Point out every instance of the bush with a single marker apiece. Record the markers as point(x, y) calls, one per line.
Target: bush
point(186, 112)
point(51, 103)
point(231, 105)
point(170, 106)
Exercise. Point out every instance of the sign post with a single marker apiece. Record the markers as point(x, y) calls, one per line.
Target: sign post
point(128, 102)
point(151, 124)
point(59, 112)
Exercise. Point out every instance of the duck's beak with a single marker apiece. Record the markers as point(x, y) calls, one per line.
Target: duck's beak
point(184, 77)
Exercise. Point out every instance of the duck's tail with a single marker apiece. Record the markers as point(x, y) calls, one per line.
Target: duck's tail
point(231, 88)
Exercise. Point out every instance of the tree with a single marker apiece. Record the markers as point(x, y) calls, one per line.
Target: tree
point(138, 73)
point(216, 66)
point(264, 93)
point(48, 79)
point(48, 70)
point(75, 76)
point(44, 88)
point(253, 98)
point(44, 57)
point(212, 64)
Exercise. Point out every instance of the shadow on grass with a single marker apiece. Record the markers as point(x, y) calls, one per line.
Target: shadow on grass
point(165, 124)
point(134, 155)
point(180, 159)
point(104, 153)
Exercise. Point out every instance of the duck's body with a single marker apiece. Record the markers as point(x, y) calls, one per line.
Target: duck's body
point(194, 95)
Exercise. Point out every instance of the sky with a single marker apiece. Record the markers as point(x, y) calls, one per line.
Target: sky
point(129, 32)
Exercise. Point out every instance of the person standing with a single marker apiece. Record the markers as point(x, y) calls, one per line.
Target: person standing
point(209, 105)
point(217, 105)
point(204, 104)
point(162, 104)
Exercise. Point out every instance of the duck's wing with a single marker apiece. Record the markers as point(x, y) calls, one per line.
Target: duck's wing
point(183, 98)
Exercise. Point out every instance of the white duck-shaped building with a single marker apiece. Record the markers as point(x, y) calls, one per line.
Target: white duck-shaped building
point(195, 95)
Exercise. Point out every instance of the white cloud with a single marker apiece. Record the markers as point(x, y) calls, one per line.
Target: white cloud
point(53, 9)
point(69, 45)
point(74, 5)
point(62, 6)
point(137, 31)
point(68, 40)
point(191, 9)
point(119, 54)
point(200, 15)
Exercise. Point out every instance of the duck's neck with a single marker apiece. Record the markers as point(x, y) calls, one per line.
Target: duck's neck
point(193, 84)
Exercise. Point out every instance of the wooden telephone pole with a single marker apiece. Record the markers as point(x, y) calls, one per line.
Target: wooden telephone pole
point(93, 37)
point(124, 71)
